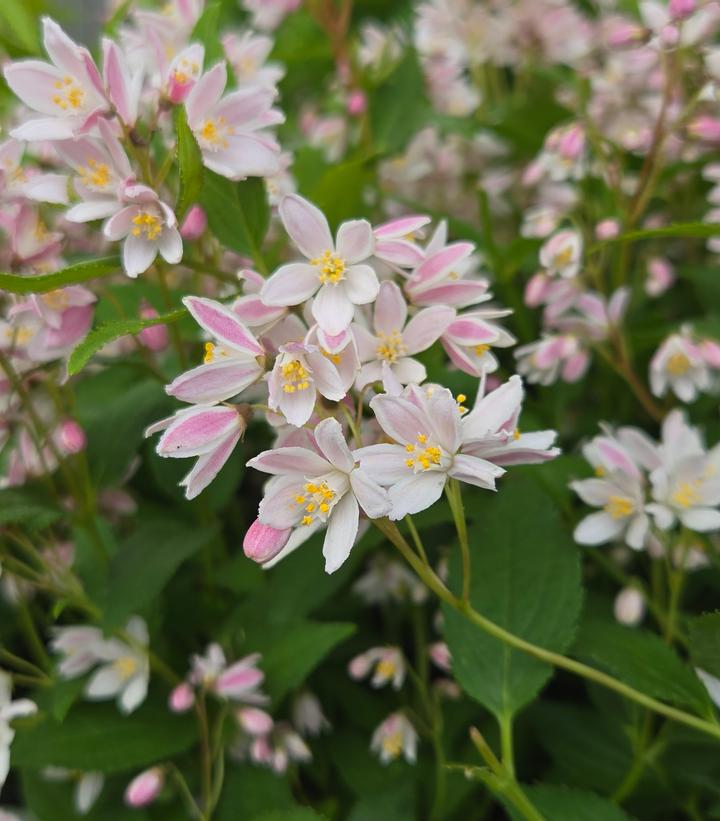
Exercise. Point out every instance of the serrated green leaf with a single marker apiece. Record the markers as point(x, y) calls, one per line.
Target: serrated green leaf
point(99, 737)
point(526, 578)
point(705, 643)
point(22, 507)
point(238, 212)
point(207, 30)
point(291, 653)
point(103, 334)
point(190, 165)
point(146, 561)
point(71, 275)
point(642, 660)
point(564, 804)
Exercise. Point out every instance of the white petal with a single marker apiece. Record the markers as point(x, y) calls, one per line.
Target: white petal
point(598, 528)
point(372, 498)
point(362, 284)
point(341, 532)
point(416, 493)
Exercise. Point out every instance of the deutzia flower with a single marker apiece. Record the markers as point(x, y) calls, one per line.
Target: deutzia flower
point(561, 255)
point(387, 664)
point(9, 710)
point(239, 681)
point(679, 365)
point(396, 736)
point(319, 487)
point(333, 270)
point(308, 716)
point(87, 789)
point(125, 669)
point(148, 227)
point(69, 92)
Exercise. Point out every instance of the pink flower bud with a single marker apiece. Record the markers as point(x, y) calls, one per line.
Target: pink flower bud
point(182, 698)
point(254, 721)
point(705, 128)
point(680, 9)
point(669, 35)
point(145, 788)
point(156, 336)
point(359, 667)
point(710, 351)
point(356, 103)
point(621, 33)
point(572, 142)
point(262, 542)
point(536, 290)
point(440, 655)
point(194, 224)
point(607, 229)
point(660, 276)
point(71, 437)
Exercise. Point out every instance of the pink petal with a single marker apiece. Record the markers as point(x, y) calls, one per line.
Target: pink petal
point(205, 94)
point(214, 382)
point(460, 358)
point(355, 241)
point(326, 376)
point(493, 411)
point(244, 106)
point(278, 507)
point(417, 492)
point(208, 466)
point(262, 542)
point(402, 226)
point(475, 471)
point(33, 82)
point(331, 441)
point(470, 331)
point(117, 80)
point(372, 498)
point(306, 225)
point(426, 327)
point(296, 407)
point(290, 285)
point(459, 293)
point(237, 680)
point(441, 263)
point(385, 463)
point(290, 460)
point(223, 324)
point(138, 255)
point(245, 156)
point(399, 418)
point(390, 309)
point(198, 431)
point(399, 252)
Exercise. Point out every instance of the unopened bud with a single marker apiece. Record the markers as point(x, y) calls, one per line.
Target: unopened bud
point(629, 607)
point(607, 229)
point(262, 542)
point(194, 224)
point(182, 698)
point(254, 721)
point(356, 103)
point(71, 437)
point(155, 337)
point(145, 788)
point(705, 128)
point(679, 9)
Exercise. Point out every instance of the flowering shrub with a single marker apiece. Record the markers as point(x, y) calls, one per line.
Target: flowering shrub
point(359, 366)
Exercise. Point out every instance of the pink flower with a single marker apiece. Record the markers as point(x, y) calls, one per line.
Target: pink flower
point(247, 54)
point(18, 181)
point(468, 340)
point(183, 72)
point(123, 87)
point(155, 337)
point(322, 487)
point(561, 255)
point(254, 721)
point(552, 356)
point(332, 271)
point(71, 437)
point(228, 130)
point(308, 716)
point(149, 227)
point(263, 543)
point(445, 277)
point(387, 664)
point(396, 736)
point(145, 788)
point(440, 655)
point(607, 229)
point(394, 341)
point(68, 91)
point(660, 276)
point(239, 681)
point(181, 698)
point(678, 364)
point(705, 128)
point(194, 224)
point(210, 433)
point(233, 362)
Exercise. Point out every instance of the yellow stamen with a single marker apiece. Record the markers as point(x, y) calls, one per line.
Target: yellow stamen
point(295, 376)
point(390, 347)
point(147, 224)
point(678, 364)
point(686, 495)
point(331, 267)
point(619, 507)
point(125, 666)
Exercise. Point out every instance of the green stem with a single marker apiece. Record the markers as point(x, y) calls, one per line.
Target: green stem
point(454, 497)
point(417, 541)
point(435, 584)
point(35, 644)
point(506, 742)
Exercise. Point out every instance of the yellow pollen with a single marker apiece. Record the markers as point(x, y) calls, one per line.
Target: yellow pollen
point(331, 267)
point(97, 174)
point(209, 351)
point(70, 94)
point(460, 399)
point(309, 508)
point(619, 507)
point(516, 434)
point(386, 668)
point(300, 500)
point(295, 376)
point(147, 224)
point(56, 300)
point(214, 133)
point(600, 470)
point(333, 357)
point(307, 520)
point(427, 457)
point(480, 350)
point(390, 346)
point(453, 275)
point(324, 507)
point(564, 257)
point(125, 666)
point(392, 744)
point(678, 364)
point(410, 448)
point(687, 494)
point(320, 495)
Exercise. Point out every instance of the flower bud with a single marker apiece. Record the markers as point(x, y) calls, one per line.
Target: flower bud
point(629, 607)
point(262, 542)
point(356, 103)
point(194, 224)
point(145, 788)
point(155, 337)
point(705, 128)
point(607, 229)
point(254, 721)
point(181, 698)
point(536, 290)
point(71, 437)
point(679, 9)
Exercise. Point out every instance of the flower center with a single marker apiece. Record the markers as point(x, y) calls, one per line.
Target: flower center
point(678, 364)
point(95, 175)
point(70, 94)
point(333, 357)
point(147, 224)
point(425, 455)
point(56, 300)
point(214, 133)
point(481, 350)
point(386, 667)
point(185, 72)
point(619, 507)
point(331, 267)
point(390, 346)
point(295, 376)
point(564, 257)
point(686, 494)
point(392, 744)
point(126, 666)
point(317, 501)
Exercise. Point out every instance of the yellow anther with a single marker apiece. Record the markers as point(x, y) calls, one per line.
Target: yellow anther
point(299, 500)
point(147, 224)
point(307, 520)
point(333, 357)
point(386, 667)
point(331, 267)
point(600, 471)
point(410, 463)
point(324, 507)
point(209, 353)
point(516, 434)
point(422, 438)
point(125, 666)
point(678, 364)
point(409, 448)
point(392, 744)
point(295, 376)
point(390, 347)
point(309, 508)
point(480, 350)
point(97, 174)
point(687, 494)
point(619, 507)
point(71, 94)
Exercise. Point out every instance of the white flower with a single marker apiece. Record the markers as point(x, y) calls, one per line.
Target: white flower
point(396, 736)
point(9, 710)
point(679, 365)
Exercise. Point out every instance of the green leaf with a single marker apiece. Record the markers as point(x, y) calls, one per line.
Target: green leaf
point(146, 561)
point(526, 578)
point(207, 32)
point(290, 654)
point(190, 165)
point(563, 804)
point(100, 336)
point(99, 737)
point(19, 26)
point(688, 230)
point(249, 792)
point(22, 507)
point(72, 275)
point(338, 192)
point(705, 643)
point(642, 660)
point(238, 212)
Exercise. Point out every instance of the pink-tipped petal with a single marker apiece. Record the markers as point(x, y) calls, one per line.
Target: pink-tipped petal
point(306, 225)
point(262, 542)
point(355, 241)
point(219, 321)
